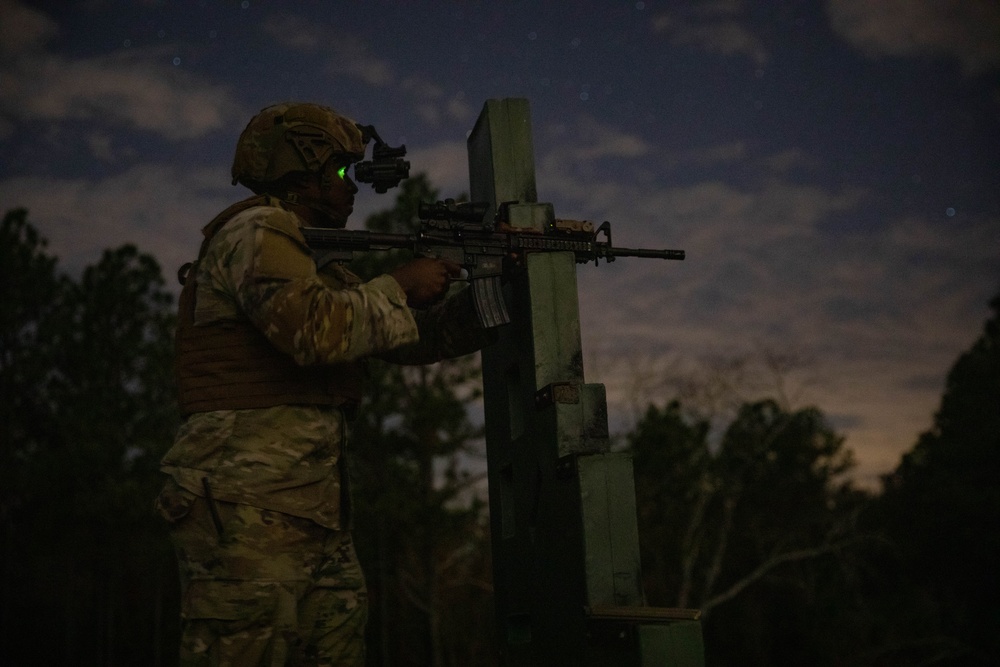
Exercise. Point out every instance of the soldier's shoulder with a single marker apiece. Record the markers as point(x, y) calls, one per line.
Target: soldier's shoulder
point(271, 216)
point(244, 226)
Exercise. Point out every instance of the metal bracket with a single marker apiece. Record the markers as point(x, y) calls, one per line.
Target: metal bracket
point(557, 392)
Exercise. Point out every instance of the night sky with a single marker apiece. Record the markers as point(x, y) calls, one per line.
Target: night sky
point(831, 168)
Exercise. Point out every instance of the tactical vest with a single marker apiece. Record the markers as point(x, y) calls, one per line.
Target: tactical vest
point(232, 365)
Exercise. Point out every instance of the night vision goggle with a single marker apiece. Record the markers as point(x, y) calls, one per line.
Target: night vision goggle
point(386, 168)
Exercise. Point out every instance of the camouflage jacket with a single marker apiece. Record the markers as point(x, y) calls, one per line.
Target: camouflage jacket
point(288, 458)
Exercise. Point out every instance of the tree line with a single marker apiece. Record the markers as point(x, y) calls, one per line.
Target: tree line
point(760, 528)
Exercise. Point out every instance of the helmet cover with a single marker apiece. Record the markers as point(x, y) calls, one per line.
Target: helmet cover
point(294, 137)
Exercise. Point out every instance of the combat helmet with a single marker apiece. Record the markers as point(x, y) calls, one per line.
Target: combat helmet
point(294, 137)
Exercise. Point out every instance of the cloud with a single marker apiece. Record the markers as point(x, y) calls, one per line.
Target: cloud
point(569, 171)
point(123, 88)
point(788, 161)
point(769, 262)
point(446, 164)
point(597, 140)
point(574, 151)
point(350, 57)
point(343, 54)
point(964, 30)
point(23, 29)
point(707, 156)
point(102, 147)
point(715, 27)
point(133, 88)
point(159, 208)
point(296, 33)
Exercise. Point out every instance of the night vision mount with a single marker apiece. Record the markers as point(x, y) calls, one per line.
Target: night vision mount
point(386, 168)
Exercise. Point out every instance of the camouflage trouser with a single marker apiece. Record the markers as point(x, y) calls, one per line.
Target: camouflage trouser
point(272, 589)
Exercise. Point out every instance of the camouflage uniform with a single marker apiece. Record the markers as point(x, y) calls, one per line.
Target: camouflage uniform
point(256, 497)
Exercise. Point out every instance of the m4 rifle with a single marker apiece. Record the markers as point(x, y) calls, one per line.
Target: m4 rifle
point(463, 234)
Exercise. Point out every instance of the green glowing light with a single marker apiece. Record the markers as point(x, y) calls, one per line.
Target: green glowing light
point(342, 172)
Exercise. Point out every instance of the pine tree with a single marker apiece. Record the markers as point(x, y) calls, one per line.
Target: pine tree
point(88, 410)
point(942, 507)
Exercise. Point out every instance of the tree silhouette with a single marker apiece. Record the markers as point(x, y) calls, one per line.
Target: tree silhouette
point(942, 506)
point(735, 530)
point(88, 411)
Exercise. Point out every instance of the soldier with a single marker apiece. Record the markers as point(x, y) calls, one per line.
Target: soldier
point(270, 360)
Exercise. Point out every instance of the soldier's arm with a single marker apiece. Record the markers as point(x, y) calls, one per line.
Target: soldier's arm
point(274, 279)
point(447, 330)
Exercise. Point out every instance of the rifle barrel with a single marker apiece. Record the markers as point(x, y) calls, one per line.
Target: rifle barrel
point(646, 252)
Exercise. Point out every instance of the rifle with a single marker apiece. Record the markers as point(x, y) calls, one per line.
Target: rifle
point(460, 232)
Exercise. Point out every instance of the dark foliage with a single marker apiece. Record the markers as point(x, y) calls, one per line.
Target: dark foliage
point(941, 507)
point(750, 532)
point(88, 410)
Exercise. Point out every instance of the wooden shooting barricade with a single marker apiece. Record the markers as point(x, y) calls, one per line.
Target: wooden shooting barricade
point(566, 568)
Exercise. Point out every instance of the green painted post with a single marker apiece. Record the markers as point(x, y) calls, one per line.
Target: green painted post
point(567, 576)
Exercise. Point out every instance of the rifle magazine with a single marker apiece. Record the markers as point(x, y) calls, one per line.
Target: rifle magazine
point(490, 305)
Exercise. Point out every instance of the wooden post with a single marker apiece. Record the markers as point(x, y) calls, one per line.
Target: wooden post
point(567, 576)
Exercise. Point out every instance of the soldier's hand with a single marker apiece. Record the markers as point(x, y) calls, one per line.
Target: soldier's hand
point(426, 280)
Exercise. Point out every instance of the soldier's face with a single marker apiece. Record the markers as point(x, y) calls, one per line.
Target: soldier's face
point(340, 196)
point(337, 199)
